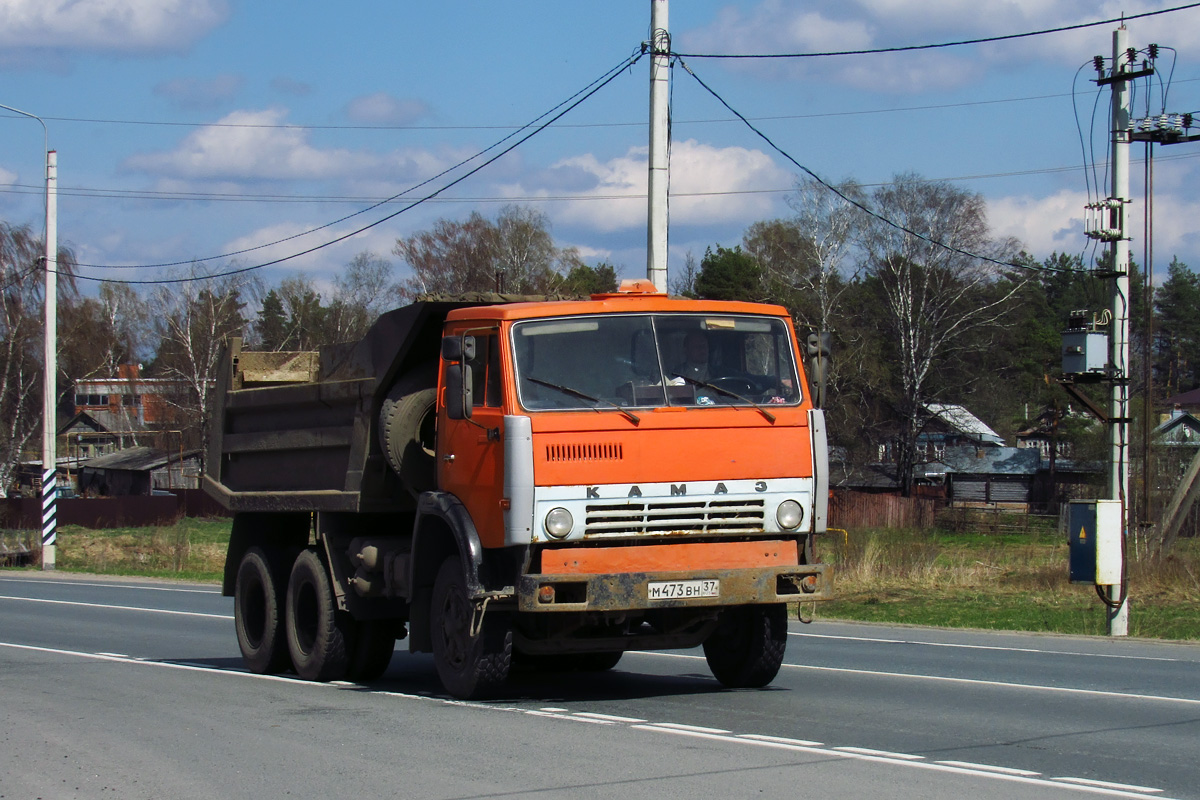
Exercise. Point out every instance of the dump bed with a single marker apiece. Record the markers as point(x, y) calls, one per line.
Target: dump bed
point(298, 431)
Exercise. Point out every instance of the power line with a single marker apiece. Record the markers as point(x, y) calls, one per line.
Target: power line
point(578, 99)
point(913, 47)
point(852, 201)
point(230, 197)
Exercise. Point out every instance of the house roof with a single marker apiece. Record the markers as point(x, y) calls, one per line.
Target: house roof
point(1182, 428)
point(1191, 398)
point(82, 419)
point(988, 460)
point(136, 459)
point(963, 421)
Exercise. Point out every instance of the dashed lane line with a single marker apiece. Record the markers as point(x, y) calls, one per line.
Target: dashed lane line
point(116, 607)
point(711, 734)
point(967, 681)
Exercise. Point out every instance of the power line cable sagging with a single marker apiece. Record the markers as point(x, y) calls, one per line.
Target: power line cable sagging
point(850, 200)
point(538, 125)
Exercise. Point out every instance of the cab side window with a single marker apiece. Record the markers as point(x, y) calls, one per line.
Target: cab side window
point(485, 371)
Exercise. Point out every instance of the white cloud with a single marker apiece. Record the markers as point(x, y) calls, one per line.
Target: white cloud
point(111, 25)
point(246, 145)
point(7, 177)
point(773, 26)
point(705, 181)
point(1042, 224)
point(382, 108)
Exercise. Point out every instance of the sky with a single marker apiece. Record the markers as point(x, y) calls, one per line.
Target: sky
point(190, 130)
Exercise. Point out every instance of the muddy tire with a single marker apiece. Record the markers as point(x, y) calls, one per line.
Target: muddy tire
point(318, 634)
point(258, 612)
point(746, 649)
point(469, 666)
point(407, 429)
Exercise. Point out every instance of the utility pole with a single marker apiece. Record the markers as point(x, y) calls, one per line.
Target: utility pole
point(49, 382)
point(659, 168)
point(1118, 474)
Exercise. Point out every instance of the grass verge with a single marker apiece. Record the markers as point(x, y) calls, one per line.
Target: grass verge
point(1005, 581)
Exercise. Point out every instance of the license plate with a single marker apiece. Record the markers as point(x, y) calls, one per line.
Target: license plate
point(683, 590)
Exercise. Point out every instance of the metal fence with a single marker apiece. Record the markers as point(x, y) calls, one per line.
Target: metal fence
point(24, 513)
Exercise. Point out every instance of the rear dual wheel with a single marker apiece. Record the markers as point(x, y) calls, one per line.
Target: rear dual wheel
point(292, 620)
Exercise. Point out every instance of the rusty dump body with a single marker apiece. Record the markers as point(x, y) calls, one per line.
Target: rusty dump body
point(618, 473)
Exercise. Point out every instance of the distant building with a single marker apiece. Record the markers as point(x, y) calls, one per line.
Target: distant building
point(139, 471)
point(130, 402)
point(1177, 428)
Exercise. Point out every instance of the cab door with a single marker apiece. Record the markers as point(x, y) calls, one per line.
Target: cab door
point(470, 451)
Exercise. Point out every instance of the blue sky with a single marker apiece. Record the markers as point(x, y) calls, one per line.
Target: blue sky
point(191, 128)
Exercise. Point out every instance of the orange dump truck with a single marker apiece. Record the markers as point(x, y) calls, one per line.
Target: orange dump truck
point(548, 483)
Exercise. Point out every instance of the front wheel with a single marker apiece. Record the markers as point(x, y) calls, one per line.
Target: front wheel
point(746, 648)
point(469, 663)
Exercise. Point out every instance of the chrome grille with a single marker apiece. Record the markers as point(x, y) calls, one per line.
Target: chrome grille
point(687, 516)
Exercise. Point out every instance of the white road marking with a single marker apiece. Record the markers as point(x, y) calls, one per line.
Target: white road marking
point(781, 740)
point(608, 717)
point(993, 773)
point(927, 765)
point(114, 585)
point(866, 751)
point(117, 608)
point(989, 768)
point(968, 681)
point(980, 647)
point(690, 728)
point(1125, 787)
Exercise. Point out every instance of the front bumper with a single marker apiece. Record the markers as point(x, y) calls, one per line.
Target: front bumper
point(628, 591)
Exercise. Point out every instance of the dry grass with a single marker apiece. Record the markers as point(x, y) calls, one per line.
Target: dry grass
point(1015, 578)
point(191, 548)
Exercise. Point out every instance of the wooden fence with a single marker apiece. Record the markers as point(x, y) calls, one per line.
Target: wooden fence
point(865, 510)
point(22, 513)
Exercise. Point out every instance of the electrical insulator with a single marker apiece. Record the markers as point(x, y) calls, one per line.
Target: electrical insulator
point(1131, 55)
point(1187, 120)
point(1153, 52)
point(1098, 63)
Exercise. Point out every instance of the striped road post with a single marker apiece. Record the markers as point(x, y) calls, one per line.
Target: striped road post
point(49, 519)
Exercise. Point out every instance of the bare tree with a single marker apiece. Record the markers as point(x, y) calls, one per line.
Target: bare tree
point(931, 296)
point(362, 292)
point(451, 257)
point(195, 320)
point(21, 325)
point(514, 254)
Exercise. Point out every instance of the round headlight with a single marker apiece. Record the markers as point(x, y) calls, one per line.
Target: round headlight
point(789, 515)
point(559, 522)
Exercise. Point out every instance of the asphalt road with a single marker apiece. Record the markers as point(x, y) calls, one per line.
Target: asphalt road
point(135, 690)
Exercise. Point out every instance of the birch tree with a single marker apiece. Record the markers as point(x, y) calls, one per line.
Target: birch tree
point(195, 321)
point(21, 342)
point(930, 297)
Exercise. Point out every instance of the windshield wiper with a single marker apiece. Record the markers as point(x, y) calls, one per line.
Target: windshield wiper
point(770, 417)
point(584, 396)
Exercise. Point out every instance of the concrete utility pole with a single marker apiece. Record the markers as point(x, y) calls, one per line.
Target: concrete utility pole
point(1118, 618)
point(49, 383)
point(659, 170)
point(49, 467)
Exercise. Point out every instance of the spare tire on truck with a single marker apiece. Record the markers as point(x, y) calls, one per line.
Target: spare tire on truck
point(407, 430)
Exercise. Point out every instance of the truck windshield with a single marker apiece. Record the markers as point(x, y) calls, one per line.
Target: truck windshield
point(620, 361)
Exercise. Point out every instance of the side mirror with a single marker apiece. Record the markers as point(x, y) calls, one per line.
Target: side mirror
point(458, 348)
point(459, 391)
point(820, 348)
